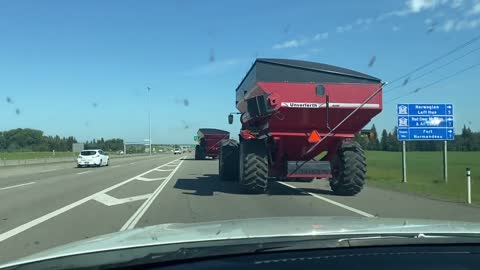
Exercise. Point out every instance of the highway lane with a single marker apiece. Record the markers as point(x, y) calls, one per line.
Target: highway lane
point(10, 175)
point(64, 208)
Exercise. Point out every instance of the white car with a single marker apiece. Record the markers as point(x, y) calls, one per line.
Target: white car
point(177, 152)
point(92, 157)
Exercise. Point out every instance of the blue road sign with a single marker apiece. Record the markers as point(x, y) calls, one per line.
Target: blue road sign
point(425, 122)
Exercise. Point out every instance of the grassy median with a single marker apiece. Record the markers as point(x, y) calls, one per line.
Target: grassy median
point(425, 173)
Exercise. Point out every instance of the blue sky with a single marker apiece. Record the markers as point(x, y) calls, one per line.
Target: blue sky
point(81, 68)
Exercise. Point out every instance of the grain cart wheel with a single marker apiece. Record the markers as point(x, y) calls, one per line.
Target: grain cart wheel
point(348, 169)
point(253, 165)
point(199, 154)
point(228, 160)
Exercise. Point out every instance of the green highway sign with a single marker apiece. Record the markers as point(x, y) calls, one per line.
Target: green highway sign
point(196, 138)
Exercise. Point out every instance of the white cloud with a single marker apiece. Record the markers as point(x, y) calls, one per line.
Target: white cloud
point(321, 36)
point(396, 13)
point(294, 43)
point(428, 21)
point(475, 9)
point(346, 28)
point(457, 3)
point(448, 25)
point(395, 28)
point(416, 6)
point(459, 25)
point(467, 24)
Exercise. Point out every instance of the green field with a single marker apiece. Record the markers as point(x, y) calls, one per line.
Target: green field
point(425, 173)
point(32, 155)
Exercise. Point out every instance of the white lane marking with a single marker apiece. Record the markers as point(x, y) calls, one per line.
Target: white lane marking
point(150, 179)
point(116, 166)
point(19, 185)
point(84, 172)
point(48, 170)
point(132, 163)
point(160, 170)
point(6, 235)
point(360, 212)
point(110, 200)
point(133, 220)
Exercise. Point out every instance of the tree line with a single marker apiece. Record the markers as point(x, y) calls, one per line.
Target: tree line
point(468, 140)
point(33, 140)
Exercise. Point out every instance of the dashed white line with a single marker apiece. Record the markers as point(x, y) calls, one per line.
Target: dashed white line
point(19, 185)
point(84, 172)
point(8, 234)
point(48, 170)
point(132, 163)
point(116, 166)
point(133, 220)
point(360, 212)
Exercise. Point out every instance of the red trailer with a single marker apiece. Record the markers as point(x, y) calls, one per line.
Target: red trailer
point(209, 142)
point(293, 111)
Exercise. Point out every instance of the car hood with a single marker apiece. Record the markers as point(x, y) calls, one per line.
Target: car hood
point(175, 233)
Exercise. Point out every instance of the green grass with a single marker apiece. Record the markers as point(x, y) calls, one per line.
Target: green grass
point(32, 155)
point(425, 173)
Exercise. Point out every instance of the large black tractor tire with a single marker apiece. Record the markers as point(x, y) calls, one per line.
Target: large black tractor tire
point(199, 154)
point(348, 169)
point(228, 160)
point(253, 166)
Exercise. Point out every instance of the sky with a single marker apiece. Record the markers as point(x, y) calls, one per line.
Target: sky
point(82, 68)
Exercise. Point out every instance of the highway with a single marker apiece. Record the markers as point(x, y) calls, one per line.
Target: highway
point(45, 206)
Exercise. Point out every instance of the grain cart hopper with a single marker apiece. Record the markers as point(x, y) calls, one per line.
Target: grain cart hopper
point(298, 121)
point(209, 142)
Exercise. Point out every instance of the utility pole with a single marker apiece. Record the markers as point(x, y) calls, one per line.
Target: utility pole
point(149, 121)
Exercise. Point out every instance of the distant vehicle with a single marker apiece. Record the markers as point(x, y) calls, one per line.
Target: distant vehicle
point(93, 157)
point(210, 141)
point(177, 152)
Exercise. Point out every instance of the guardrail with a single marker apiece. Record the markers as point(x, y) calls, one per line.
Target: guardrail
point(36, 161)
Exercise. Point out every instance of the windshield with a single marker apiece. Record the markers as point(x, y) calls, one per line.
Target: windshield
point(88, 153)
point(209, 112)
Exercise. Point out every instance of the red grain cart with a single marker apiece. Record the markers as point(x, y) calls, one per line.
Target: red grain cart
point(291, 112)
point(209, 144)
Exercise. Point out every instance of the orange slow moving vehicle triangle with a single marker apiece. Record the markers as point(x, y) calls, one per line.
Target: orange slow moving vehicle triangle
point(314, 137)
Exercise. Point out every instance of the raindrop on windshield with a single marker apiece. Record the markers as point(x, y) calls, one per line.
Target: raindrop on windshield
point(211, 59)
point(372, 61)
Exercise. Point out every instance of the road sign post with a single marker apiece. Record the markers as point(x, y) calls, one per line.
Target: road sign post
point(404, 162)
point(425, 122)
point(469, 187)
point(445, 167)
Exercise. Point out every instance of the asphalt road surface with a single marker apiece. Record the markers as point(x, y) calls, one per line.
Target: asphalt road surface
point(42, 207)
